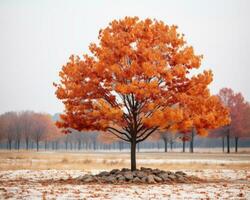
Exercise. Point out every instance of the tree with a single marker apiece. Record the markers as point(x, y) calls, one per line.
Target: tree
point(168, 138)
point(203, 113)
point(239, 113)
point(26, 119)
point(42, 124)
point(220, 132)
point(184, 138)
point(2, 133)
point(165, 138)
point(17, 129)
point(8, 128)
point(52, 133)
point(66, 141)
point(135, 82)
point(241, 126)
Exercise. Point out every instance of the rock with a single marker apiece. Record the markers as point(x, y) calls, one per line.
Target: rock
point(125, 170)
point(137, 180)
point(157, 179)
point(140, 174)
point(118, 175)
point(156, 171)
point(181, 173)
point(150, 179)
point(85, 176)
point(104, 173)
point(144, 179)
point(181, 179)
point(164, 176)
point(110, 179)
point(88, 179)
point(121, 178)
point(134, 173)
point(170, 173)
point(145, 169)
point(128, 175)
point(144, 175)
point(114, 171)
point(172, 177)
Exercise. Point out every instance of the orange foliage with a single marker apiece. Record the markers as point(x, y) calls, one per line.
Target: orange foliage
point(239, 112)
point(137, 81)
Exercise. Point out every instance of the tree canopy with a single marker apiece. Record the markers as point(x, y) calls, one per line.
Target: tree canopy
point(136, 81)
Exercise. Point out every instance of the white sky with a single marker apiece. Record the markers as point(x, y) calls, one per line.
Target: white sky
point(37, 37)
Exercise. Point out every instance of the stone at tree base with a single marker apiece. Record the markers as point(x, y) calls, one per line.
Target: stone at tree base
point(88, 179)
point(150, 179)
point(114, 171)
point(172, 177)
point(121, 178)
point(164, 176)
point(144, 179)
point(140, 174)
point(180, 173)
point(86, 176)
point(119, 175)
point(156, 171)
point(137, 180)
point(128, 175)
point(104, 173)
point(110, 179)
point(157, 179)
point(181, 180)
point(170, 173)
point(145, 176)
point(125, 170)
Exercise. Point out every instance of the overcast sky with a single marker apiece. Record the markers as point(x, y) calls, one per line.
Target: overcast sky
point(37, 37)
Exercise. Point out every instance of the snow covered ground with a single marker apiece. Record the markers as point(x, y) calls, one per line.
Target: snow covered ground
point(53, 184)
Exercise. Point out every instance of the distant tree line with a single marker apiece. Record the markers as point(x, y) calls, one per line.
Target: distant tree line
point(30, 130)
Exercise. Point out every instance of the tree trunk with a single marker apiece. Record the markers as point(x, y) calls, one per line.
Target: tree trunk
point(120, 145)
point(27, 143)
point(183, 145)
point(9, 144)
point(223, 144)
point(37, 145)
point(15, 144)
point(133, 155)
point(236, 144)
point(165, 144)
point(66, 145)
point(18, 144)
point(171, 144)
point(192, 142)
point(228, 141)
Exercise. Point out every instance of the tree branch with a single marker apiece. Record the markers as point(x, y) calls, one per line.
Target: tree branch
point(118, 136)
point(120, 132)
point(148, 134)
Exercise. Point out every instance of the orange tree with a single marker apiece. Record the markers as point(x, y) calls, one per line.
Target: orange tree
point(239, 112)
point(135, 82)
point(202, 113)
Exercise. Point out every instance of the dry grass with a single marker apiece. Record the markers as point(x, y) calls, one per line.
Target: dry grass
point(106, 161)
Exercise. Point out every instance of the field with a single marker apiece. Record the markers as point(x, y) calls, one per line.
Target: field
point(45, 175)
